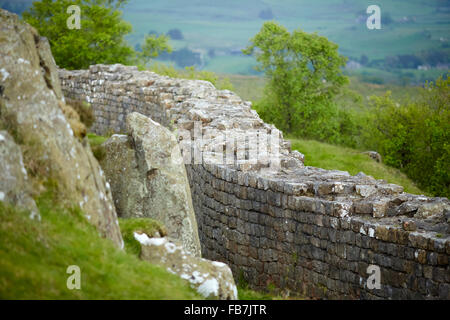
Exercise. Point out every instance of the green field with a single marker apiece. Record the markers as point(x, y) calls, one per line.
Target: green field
point(228, 26)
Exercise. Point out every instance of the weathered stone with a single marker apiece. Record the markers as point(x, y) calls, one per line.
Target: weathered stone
point(409, 225)
point(374, 155)
point(148, 179)
point(212, 279)
point(14, 182)
point(365, 190)
point(31, 95)
point(433, 210)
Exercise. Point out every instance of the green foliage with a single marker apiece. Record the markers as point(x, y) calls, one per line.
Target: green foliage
point(35, 256)
point(146, 225)
point(96, 142)
point(153, 46)
point(99, 40)
point(304, 75)
point(415, 136)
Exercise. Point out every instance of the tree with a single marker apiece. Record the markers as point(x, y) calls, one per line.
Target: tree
point(304, 74)
point(364, 60)
point(99, 40)
point(266, 14)
point(175, 34)
point(153, 46)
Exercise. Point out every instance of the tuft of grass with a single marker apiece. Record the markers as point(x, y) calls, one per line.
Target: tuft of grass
point(96, 145)
point(331, 157)
point(84, 110)
point(144, 225)
point(244, 293)
point(95, 140)
point(35, 257)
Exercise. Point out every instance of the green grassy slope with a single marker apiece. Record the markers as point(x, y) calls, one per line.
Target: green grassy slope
point(332, 157)
point(34, 257)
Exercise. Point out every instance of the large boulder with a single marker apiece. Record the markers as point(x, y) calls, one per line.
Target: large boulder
point(148, 179)
point(30, 100)
point(212, 279)
point(14, 182)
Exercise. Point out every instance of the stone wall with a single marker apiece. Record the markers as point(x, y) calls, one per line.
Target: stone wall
point(305, 230)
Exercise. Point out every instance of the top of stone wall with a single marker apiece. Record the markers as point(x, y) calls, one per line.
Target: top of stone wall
point(197, 108)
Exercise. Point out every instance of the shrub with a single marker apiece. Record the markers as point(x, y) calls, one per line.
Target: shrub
point(415, 136)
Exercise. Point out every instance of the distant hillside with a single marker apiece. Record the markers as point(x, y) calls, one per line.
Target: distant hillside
point(415, 34)
point(218, 30)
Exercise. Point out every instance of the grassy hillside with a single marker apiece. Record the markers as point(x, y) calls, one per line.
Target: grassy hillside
point(328, 156)
point(35, 256)
point(226, 27)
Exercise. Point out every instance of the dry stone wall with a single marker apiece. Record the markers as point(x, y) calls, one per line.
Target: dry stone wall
point(306, 230)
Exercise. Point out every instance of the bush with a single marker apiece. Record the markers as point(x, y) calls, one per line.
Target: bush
point(415, 136)
point(304, 75)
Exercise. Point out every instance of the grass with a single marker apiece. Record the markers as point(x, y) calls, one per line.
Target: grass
point(35, 256)
point(146, 225)
point(96, 145)
point(247, 294)
point(95, 140)
point(327, 156)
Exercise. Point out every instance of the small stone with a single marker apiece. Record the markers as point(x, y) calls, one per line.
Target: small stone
point(409, 225)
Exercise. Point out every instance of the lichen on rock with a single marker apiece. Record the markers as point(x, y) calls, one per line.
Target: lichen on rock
point(31, 95)
point(212, 279)
point(148, 179)
point(14, 181)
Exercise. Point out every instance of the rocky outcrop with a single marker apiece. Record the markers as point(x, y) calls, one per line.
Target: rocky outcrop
point(14, 182)
point(148, 179)
point(30, 98)
point(212, 279)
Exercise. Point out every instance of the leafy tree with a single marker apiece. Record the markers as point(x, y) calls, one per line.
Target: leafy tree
point(304, 74)
point(101, 38)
